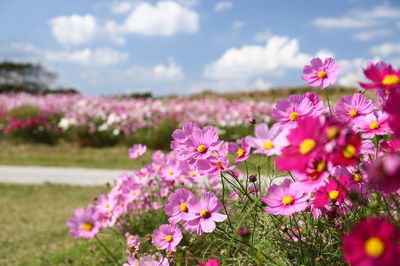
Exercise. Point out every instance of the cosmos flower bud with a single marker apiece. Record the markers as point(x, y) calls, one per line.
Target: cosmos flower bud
point(244, 232)
point(252, 178)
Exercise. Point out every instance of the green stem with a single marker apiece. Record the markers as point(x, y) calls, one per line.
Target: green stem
point(107, 250)
point(327, 99)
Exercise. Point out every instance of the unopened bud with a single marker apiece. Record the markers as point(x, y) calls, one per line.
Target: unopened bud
point(252, 178)
point(243, 231)
point(252, 120)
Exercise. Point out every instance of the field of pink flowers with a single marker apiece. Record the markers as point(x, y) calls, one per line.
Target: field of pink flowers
point(102, 121)
point(324, 190)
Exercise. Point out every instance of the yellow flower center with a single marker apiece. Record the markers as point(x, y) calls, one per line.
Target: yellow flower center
point(307, 146)
point(87, 226)
point(320, 166)
point(219, 165)
point(357, 178)
point(268, 145)
point(183, 207)
point(107, 205)
point(240, 152)
point(332, 132)
point(287, 200)
point(322, 74)
point(293, 115)
point(169, 238)
point(374, 247)
point(333, 195)
point(349, 151)
point(374, 125)
point(170, 172)
point(192, 174)
point(205, 213)
point(387, 92)
point(391, 80)
point(133, 193)
point(214, 154)
point(353, 113)
point(201, 148)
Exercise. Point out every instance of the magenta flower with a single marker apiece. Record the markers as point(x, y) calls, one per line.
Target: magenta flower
point(333, 192)
point(137, 151)
point(384, 173)
point(321, 74)
point(304, 146)
point(167, 237)
point(212, 262)
point(289, 111)
point(268, 141)
point(286, 199)
point(178, 205)
point(382, 76)
point(373, 124)
point(85, 223)
point(314, 176)
point(241, 153)
point(373, 241)
point(204, 214)
point(352, 107)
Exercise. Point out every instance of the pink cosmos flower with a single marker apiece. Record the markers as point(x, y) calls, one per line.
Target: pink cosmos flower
point(373, 241)
point(178, 205)
point(167, 237)
point(384, 173)
point(200, 144)
point(373, 124)
point(333, 192)
point(391, 146)
point(137, 151)
point(304, 146)
point(212, 262)
point(85, 223)
point(289, 111)
point(352, 107)
point(318, 105)
point(147, 260)
point(321, 74)
point(392, 107)
point(286, 199)
point(315, 174)
point(242, 153)
point(214, 165)
point(204, 214)
point(181, 135)
point(268, 141)
point(382, 76)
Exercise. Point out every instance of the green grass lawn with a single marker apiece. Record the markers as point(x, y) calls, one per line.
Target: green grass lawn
point(33, 217)
point(69, 156)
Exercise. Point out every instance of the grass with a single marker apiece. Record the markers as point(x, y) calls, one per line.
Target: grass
point(32, 218)
point(68, 155)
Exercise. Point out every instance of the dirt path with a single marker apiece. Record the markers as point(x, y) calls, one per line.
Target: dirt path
point(57, 175)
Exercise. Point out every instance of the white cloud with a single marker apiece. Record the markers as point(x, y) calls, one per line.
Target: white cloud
point(263, 36)
point(77, 30)
point(279, 54)
point(160, 72)
point(237, 24)
point(357, 18)
point(87, 57)
point(165, 18)
point(74, 29)
point(344, 22)
point(351, 71)
point(224, 5)
point(386, 49)
point(261, 84)
point(121, 7)
point(371, 35)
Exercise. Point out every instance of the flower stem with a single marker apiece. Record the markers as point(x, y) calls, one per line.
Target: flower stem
point(327, 99)
point(107, 250)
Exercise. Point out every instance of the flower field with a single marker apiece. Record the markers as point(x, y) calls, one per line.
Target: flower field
point(105, 121)
point(323, 187)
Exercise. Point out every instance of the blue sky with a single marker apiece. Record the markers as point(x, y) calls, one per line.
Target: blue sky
point(186, 46)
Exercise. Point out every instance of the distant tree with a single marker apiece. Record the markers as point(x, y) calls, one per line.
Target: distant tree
point(25, 77)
